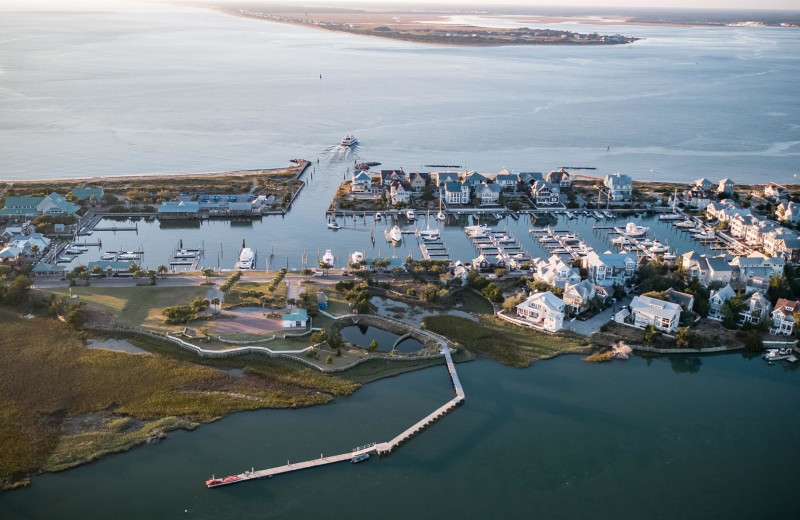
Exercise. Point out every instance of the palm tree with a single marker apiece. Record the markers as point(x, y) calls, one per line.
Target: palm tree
point(35, 250)
point(207, 272)
point(162, 270)
point(215, 303)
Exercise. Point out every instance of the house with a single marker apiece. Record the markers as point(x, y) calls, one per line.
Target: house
point(544, 193)
point(685, 300)
point(488, 193)
point(579, 295)
point(707, 269)
point(555, 271)
point(473, 180)
point(543, 310)
point(559, 177)
point(725, 187)
point(298, 318)
point(529, 178)
point(789, 211)
point(53, 204)
point(610, 268)
point(44, 270)
point(506, 180)
point(664, 316)
point(486, 263)
point(400, 192)
point(620, 187)
point(703, 184)
point(387, 177)
point(24, 247)
point(775, 191)
point(783, 243)
point(360, 181)
point(456, 193)
point(718, 299)
point(87, 193)
point(416, 181)
point(179, 208)
point(783, 316)
point(756, 266)
point(755, 310)
point(697, 198)
point(442, 178)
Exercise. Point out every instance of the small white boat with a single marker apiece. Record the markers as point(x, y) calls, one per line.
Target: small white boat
point(706, 235)
point(410, 215)
point(657, 247)
point(669, 256)
point(777, 354)
point(646, 242)
point(395, 234)
point(440, 216)
point(620, 241)
point(570, 215)
point(685, 224)
point(332, 224)
point(247, 259)
point(505, 239)
point(608, 214)
point(598, 215)
point(72, 251)
point(79, 247)
point(670, 216)
point(477, 231)
point(635, 231)
point(185, 253)
point(429, 235)
point(328, 258)
point(111, 255)
point(378, 216)
point(127, 256)
point(357, 257)
point(348, 140)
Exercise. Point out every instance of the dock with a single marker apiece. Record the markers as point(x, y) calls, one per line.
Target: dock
point(383, 448)
point(562, 241)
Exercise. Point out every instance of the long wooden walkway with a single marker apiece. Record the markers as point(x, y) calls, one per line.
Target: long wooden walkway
point(377, 448)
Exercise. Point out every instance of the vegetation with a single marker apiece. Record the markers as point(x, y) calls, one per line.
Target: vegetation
point(507, 343)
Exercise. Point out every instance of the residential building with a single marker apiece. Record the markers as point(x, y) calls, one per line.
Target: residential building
point(783, 316)
point(298, 318)
point(529, 178)
point(775, 191)
point(456, 193)
point(718, 299)
point(473, 180)
point(53, 204)
point(579, 295)
point(609, 268)
point(784, 243)
point(442, 178)
point(788, 211)
point(417, 181)
point(703, 184)
point(544, 193)
point(725, 187)
point(555, 271)
point(506, 180)
point(21, 247)
point(400, 192)
point(543, 310)
point(755, 310)
point(620, 187)
point(488, 193)
point(387, 177)
point(664, 316)
point(559, 177)
point(707, 269)
point(87, 193)
point(685, 300)
point(360, 181)
point(756, 266)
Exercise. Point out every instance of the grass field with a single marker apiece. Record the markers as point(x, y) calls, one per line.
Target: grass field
point(135, 306)
point(237, 295)
point(505, 342)
point(49, 380)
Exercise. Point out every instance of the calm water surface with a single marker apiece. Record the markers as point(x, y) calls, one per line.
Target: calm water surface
point(684, 437)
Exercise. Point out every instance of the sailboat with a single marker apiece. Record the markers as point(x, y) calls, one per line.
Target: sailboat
point(440, 215)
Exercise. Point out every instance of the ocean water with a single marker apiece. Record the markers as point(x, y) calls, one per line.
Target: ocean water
point(168, 89)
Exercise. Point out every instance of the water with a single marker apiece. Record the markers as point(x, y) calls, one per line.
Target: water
point(680, 437)
point(172, 89)
point(363, 335)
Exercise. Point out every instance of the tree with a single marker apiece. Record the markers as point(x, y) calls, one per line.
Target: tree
point(328, 360)
point(35, 250)
point(199, 304)
point(649, 335)
point(373, 346)
point(215, 302)
point(682, 337)
point(162, 270)
point(178, 314)
point(97, 271)
point(207, 273)
point(493, 292)
point(17, 291)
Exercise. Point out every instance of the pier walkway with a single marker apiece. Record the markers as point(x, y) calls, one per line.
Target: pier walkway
point(376, 448)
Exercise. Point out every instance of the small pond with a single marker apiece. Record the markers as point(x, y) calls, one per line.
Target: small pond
point(364, 334)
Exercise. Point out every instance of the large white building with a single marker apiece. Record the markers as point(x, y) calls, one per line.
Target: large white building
point(664, 316)
point(543, 310)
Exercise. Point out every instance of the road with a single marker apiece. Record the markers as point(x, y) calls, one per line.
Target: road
point(593, 324)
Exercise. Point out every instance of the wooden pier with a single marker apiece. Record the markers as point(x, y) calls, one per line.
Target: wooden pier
point(373, 448)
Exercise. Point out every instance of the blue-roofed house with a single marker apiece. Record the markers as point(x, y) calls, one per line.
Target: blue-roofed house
point(442, 178)
point(53, 204)
point(456, 193)
point(506, 180)
point(111, 267)
point(179, 208)
point(620, 187)
point(298, 318)
point(489, 193)
point(87, 193)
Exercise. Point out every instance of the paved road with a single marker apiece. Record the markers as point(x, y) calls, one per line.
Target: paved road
point(593, 324)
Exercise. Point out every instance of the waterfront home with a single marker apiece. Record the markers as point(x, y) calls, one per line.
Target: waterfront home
point(507, 181)
point(559, 177)
point(417, 181)
point(664, 316)
point(179, 208)
point(473, 180)
point(609, 268)
point(487, 263)
point(685, 300)
point(620, 187)
point(725, 187)
point(387, 177)
point(360, 181)
point(400, 192)
point(579, 295)
point(718, 299)
point(555, 271)
point(707, 269)
point(461, 271)
point(757, 264)
point(87, 193)
point(441, 178)
point(726, 211)
point(53, 204)
point(788, 211)
point(456, 193)
point(703, 184)
point(784, 243)
point(298, 318)
point(783, 316)
point(488, 193)
point(697, 198)
point(528, 179)
point(755, 310)
point(775, 191)
point(544, 193)
point(543, 310)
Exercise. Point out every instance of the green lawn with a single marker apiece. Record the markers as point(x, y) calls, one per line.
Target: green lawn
point(505, 342)
point(135, 306)
point(244, 293)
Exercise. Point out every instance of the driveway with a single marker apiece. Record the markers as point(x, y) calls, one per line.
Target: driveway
point(593, 324)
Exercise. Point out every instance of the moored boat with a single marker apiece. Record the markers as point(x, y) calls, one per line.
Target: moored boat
point(410, 215)
point(635, 231)
point(395, 234)
point(328, 258)
point(247, 259)
point(332, 224)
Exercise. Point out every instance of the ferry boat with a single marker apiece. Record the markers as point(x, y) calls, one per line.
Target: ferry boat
point(247, 259)
point(776, 354)
point(348, 140)
point(410, 215)
point(635, 231)
point(332, 224)
point(395, 235)
point(328, 257)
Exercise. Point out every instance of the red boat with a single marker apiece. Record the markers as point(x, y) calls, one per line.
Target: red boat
point(213, 482)
point(232, 478)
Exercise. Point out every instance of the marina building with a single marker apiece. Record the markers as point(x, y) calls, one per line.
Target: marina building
point(543, 310)
point(53, 204)
point(87, 193)
point(179, 208)
point(783, 316)
point(664, 316)
point(620, 187)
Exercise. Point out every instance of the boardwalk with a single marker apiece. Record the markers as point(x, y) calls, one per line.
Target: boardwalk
point(377, 448)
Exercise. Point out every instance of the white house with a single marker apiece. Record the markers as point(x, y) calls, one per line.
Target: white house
point(506, 180)
point(545, 193)
point(442, 178)
point(775, 191)
point(703, 184)
point(788, 211)
point(609, 268)
point(620, 187)
point(400, 192)
point(360, 181)
point(783, 316)
point(662, 315)
point(555, 271)
point(489, 193)
point(755, 310)
point(543, 310)
point(718, 299)
point(707, 269)
point(725, 187)
point(579, 295)
point(456, 193)
point(559, 177)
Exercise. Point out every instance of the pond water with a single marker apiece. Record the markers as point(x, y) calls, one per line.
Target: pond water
point(363, 335)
